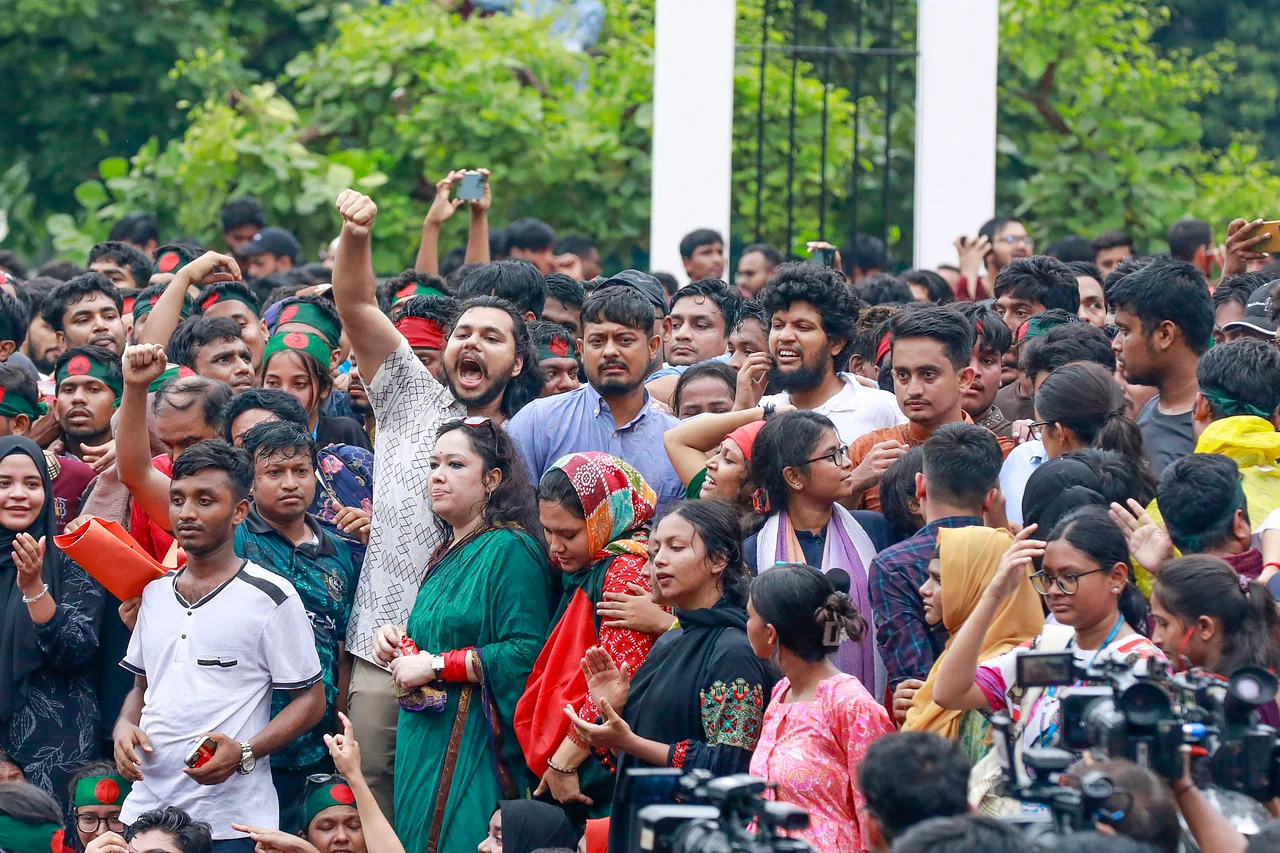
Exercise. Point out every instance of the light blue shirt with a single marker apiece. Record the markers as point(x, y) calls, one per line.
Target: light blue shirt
point(580, 421)
point(1021, 462)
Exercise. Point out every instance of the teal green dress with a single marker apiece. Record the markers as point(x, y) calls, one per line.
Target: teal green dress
point(493, 593)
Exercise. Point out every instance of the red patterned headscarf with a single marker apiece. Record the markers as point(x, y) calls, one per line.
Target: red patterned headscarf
point(616, 502)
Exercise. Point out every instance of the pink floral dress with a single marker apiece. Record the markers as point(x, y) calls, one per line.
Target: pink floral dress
point(811, 751)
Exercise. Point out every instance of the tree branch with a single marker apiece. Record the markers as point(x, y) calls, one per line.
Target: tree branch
point(1040, 100)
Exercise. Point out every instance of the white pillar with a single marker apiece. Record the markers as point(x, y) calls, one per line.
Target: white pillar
point(692, 125)
point(958, 46)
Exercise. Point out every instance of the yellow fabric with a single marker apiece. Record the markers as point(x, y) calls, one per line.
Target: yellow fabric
point(969, 557)
point(1254, 445)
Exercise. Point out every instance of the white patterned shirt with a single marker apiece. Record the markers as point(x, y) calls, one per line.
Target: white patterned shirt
point(409, 405)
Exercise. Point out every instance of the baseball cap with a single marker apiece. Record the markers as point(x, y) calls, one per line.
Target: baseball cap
point(641, 281)
point(272, 241)
point(1257, 312)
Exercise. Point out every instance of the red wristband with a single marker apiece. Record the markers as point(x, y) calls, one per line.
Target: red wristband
point(455, 665)
point(1272, 563)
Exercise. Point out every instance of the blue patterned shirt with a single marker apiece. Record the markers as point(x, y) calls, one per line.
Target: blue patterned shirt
point(908, 644)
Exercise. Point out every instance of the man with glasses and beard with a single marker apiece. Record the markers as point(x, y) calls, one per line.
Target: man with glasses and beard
point(812, 323)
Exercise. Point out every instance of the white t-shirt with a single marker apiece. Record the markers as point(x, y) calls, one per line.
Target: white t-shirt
point(856, 410)
point(1018, 467)
point(210, 667)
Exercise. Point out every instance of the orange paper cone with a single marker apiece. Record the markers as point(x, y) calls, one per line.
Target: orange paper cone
point(106, 551)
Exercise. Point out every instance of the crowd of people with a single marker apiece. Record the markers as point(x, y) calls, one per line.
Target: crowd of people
point(302, 558)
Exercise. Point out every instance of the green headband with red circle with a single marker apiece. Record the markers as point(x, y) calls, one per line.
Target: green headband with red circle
point(338, 793)
point(102, 791)
point(82, 365)
point(18, 836)
point(300, 341)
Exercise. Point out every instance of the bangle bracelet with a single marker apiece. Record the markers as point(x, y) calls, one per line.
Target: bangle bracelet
point(1183, 786)
point(563, 771)
point(39, 595)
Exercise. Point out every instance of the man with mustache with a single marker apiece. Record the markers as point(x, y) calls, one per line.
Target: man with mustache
point(86, 310)
point(613, 413)
point(213, 347)
point(88, 386)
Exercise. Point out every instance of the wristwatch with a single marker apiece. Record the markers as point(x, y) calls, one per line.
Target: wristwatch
point(769, 409)
point(437, 666)
point(247, 759)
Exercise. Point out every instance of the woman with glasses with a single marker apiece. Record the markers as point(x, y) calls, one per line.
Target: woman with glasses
point(1083, 573)
point(476, 627)
point(97, 794)
point(803, 472)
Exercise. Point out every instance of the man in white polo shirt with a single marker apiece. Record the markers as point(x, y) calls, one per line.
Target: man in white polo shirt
point(211, 643)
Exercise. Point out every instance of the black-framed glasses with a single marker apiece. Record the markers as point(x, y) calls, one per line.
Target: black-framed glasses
point(1069, 583)
point(839, 456)
point(92, 822)
point(1036, 427)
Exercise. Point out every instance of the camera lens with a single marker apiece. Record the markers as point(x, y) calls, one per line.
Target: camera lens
point(1248, 689)
point(1144, 704)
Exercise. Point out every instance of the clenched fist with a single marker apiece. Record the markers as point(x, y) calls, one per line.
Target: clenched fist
point(358, 212)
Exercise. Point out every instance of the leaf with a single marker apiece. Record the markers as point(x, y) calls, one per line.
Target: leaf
point(113, 167)
point(91, 195)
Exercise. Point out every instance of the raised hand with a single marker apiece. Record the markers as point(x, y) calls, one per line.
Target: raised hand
point(481, 205)
point(1148, 542)
point(605, 681)
point(1013, 566)
point(972, 251)
point(354, 521)
point(753, 376)
point(274, 840)
point(442, 207)
point(1239, 250)
point(143, 363)
point(358, 212)
point(201, 270)
point(28, 556)
point(344, 750)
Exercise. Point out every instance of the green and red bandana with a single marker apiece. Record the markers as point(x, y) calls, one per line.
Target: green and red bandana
point(12, 405)
point(412, 289)
point(557, 348)
point(338, 793)
point(18, 836)
point(301, 341)
point(172, 259)
point(209, 300)
point(1036, 327)
point(310, 315)
point(101, 791)
point(173, 371)
point(83, 365)
point(143, 307)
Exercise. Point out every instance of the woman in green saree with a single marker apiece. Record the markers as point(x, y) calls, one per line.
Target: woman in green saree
point(474, 632)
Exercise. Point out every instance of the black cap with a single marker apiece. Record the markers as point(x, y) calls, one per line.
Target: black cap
point(641, 281)
point(272, 241)
point(1257, 312)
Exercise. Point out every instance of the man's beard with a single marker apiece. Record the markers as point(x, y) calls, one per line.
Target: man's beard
point(804, 378)
point(361, 408)
point(483, 395)
point(619, 387)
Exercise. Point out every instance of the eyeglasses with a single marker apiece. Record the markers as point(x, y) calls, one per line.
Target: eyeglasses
point(1036, 427)
point(839, 456)
point(92, 822)
point(479, 422)
point(1014, 240)
point(1069, 583)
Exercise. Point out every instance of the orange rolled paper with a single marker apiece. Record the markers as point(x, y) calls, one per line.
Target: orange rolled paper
point(106, 551)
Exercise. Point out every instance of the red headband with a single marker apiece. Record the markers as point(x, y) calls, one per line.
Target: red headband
point(421, 333)
point(883, 349)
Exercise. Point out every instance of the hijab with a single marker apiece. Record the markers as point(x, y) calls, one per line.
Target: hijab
point(969, 557)
point(19, 653)
point(616, 502)
point(529, 825)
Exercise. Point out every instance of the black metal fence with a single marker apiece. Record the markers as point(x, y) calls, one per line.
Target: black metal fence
point(862, 56)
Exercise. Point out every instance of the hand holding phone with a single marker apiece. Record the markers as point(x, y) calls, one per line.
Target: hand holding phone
point(471, 187)
point(202, 752)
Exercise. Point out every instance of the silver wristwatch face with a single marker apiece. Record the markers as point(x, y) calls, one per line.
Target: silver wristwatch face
point(247, 759)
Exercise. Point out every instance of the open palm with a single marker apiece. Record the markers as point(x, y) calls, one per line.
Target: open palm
point(604, 679)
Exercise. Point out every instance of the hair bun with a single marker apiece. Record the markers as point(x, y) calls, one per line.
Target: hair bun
point(840, 580)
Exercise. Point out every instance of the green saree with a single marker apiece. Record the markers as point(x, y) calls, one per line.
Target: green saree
point(493, 593)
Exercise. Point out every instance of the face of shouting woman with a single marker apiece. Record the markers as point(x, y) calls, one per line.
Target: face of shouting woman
point(680, 572)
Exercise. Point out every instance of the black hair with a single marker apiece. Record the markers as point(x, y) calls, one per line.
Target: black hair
point(138, 228)
point(518, 282)
point(994, 226)
point(1187, 235)
point(276, 287)
point(323, 305)
point(961, 463)
point(11, 262)
point(238, 288)
point(802, 605)
point(575, 244)
point(319, 373)
point(190, 836)
point(1085, 398)
point(13, 320)
point(936, 322)
point(1200, 585)
point(716, 523)
point(439, 308)
point(669, 284)
point(514, 501)
point(882, 288)
point(1121, 477)
point(1152, 818)
point(138, 264)
point(772, 256)
point(940, 293)
point(556, 487)
point(242, 210)
point(70, 292)
point(218, 454)
point(528, 384)
point(898, 490)
point(1113, 239)
point(33, 294)
point(704, 370)
point(387, 290)
point(198, 332)
point(28, 803)
point(1066, 344)
point(1086, 269)
point(786, 441)
point(990, 334)
point(970, 833)
point(1072, 248)
point(750, 309)
point(1237, 288)
point(823, 288)
point(155, 291)
point(283, 405)
point(1198, 496)
point(619, 304)
point(727, 300)
point(86, 771)
point(565, 288)
point(543, 332)
point(109, 360)
point(1040, 279)
point(1241, 377)
point(529, 234)
point(1090, 530)
point(1171, 290)
point(182, 392)
point(937, 785)
point(694, 240)
point(18, 382)
point(455, 277)
point(278, 439)
point(873, 325)
point(60, 269)
point(864, 253)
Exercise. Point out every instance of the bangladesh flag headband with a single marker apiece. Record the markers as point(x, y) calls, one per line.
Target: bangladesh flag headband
point(102, 791)
point(413, 289)
point(18, 836)
point(173, 371)
point(557, 348)
point(310, 315)
point(172, 259)
point(208, 300)
point(301, 341)
point(82, 365)
point(338, 793)
point(12, 405)
point(143, 307)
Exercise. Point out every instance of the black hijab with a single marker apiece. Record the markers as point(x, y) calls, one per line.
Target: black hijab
point(529, 825)
point(19, 653)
